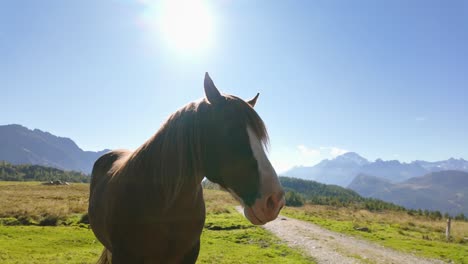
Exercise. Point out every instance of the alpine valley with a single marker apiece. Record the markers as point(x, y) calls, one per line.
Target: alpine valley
point(440, 185)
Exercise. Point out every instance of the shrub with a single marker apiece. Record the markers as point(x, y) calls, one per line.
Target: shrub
point(461, 240)
point(25, 220)
point(49, 220)
point(9, 221)
point(460, 216)
point(294, 199)
point(84, 219)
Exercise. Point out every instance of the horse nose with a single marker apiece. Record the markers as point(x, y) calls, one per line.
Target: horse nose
point(275, 202)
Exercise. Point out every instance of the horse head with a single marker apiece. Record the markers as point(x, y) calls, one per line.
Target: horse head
point(235, 155)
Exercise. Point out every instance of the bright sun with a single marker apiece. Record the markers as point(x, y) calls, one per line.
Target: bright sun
point(186, 24)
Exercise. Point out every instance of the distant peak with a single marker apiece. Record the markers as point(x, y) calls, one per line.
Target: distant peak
point(42, 132)
point(14, 126)
point(352, 156)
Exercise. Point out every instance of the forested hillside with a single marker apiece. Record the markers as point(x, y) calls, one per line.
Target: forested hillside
point(333, 195)
point(324, 194)
point(443, 190)
point(26, 172)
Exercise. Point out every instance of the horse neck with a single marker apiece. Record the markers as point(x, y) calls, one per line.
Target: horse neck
point(171, 160)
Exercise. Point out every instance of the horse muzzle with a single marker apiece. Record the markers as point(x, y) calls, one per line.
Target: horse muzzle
point(265, 209)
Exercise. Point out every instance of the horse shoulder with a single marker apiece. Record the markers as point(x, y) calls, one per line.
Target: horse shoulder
point(99, 187)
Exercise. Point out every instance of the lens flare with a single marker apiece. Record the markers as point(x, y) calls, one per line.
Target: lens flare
point(184, 25)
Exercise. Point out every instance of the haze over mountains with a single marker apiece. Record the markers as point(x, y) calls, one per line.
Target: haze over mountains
point(20, 145)
point(445, 191)
point(441, 185)
point(343, 169)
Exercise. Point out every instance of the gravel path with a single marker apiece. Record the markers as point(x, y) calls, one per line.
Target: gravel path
point(329, 247)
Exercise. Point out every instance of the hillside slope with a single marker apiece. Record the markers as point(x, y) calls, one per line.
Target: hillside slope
point(324, 194)
point(445, 191)
point(27, 172)
point(20, 145)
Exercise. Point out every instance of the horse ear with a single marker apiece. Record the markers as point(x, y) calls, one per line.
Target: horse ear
point(253, 101)
point(211, 92)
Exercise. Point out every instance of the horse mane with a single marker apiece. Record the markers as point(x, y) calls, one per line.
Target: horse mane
point(250, 117)
point(173, 156)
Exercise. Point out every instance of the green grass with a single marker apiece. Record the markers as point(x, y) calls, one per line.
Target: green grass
point(234, 240)
point(34, 244)
point(396, 230)
point(227, 237)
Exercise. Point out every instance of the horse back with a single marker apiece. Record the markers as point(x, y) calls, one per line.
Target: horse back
point(101, 175)
point(129, 218)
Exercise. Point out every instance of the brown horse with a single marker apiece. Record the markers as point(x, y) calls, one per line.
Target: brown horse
point(147, 206)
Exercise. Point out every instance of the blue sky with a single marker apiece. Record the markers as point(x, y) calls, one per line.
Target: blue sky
point(386, 79)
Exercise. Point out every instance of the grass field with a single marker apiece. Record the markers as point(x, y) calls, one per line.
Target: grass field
point(32, 202)
point(36, 244)
point(397, 230)
point(227, 236)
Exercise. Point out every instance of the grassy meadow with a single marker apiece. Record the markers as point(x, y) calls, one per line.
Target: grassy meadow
point(45, 224)
point(398, 230)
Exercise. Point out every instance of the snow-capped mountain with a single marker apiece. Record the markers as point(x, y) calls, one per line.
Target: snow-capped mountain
point(342, 169)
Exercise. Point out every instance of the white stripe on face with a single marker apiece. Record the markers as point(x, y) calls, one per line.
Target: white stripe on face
point(269, 182)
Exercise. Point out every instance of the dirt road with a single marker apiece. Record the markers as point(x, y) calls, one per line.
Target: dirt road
point(329, 247)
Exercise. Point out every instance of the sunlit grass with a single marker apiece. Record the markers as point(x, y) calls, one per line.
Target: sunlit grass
point(33, 201)
point(35, 244)
point(397, 230)
point(227, 237)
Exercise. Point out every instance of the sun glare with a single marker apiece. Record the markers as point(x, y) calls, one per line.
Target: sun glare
point(186, 25)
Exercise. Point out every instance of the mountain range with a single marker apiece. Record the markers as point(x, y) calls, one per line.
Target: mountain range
point(441, 185)
point(445, 191)
point(20, 145)
point(344, 168)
